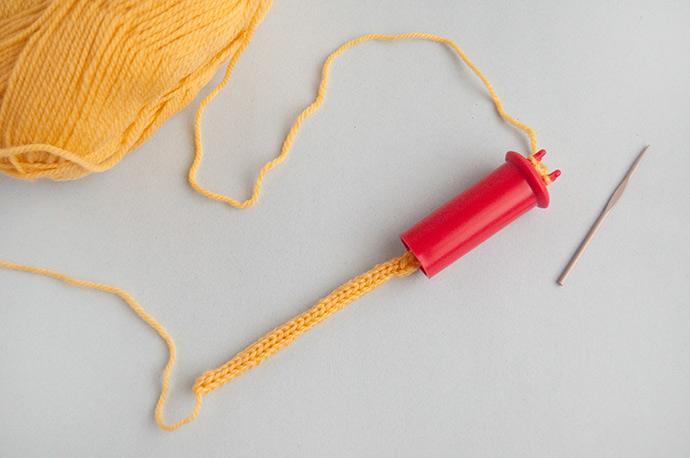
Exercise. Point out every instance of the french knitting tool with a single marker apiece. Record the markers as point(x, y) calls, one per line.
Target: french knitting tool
point(613, 200)
point(478, 213)
point(37, 149)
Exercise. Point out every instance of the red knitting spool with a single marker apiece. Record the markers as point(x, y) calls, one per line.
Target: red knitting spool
point(478, 213)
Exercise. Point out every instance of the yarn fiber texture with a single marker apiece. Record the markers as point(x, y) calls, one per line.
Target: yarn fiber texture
point(84, 82)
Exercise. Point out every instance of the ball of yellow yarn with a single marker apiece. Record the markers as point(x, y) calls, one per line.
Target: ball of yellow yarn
point(84, 82)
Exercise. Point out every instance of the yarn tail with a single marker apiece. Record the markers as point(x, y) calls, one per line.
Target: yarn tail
point(263, 348)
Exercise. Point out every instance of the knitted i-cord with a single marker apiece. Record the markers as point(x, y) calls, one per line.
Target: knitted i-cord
point(282, 336)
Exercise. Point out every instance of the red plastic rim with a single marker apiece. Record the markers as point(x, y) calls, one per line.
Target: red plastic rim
point(536, 182)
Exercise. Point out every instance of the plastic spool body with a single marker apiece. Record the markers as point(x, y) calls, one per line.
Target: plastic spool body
point(475, 215)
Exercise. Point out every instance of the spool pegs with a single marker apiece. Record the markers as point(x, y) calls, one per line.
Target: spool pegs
point(538, 156)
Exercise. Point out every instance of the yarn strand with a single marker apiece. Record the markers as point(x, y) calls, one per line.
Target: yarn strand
point(320, 97)
point(263, 348)
point(139, 310)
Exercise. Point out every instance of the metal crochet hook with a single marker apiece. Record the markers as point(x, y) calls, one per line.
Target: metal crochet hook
point(612, 203)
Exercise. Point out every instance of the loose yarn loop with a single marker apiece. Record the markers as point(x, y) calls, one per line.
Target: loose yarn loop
point(83, 83)
point(321, 95)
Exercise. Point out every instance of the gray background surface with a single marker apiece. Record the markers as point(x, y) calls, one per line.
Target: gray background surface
point(490, 358)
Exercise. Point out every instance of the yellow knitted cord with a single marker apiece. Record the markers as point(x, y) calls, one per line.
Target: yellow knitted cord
point(268, 345)
point(287, 144)
point(282, 336)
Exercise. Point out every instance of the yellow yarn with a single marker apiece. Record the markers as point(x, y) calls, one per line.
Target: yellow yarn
point(321, 95)
point(83, 83)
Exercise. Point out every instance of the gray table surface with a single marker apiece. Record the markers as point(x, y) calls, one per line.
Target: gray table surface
point(490, 358)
